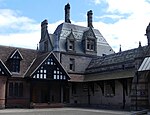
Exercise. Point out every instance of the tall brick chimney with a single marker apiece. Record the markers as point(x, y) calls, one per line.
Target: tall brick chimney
point(44, 26)
point(89, 18)
point(67, 13)
point(148, 33)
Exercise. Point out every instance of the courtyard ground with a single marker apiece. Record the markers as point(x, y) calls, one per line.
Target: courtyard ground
point(62, 111)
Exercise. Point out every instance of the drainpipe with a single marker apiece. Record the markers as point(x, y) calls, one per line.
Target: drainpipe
point(6, 92)
point(136, 90)
point(124, 100)
point(89, 94)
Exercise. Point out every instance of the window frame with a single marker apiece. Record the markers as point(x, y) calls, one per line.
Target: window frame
point(90, 45)
point(72, 64)
point(15, 89)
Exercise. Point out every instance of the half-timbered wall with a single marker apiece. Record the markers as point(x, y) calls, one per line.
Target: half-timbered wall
point(49, 70)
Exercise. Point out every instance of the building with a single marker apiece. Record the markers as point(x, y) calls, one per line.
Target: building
point(75, 66)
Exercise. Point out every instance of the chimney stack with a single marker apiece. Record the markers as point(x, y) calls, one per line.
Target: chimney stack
point(67, 13)
point(44, 26)
point(89, 17)
point(148, 33)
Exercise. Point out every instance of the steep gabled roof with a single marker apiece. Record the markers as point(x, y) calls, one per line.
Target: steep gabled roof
point(41, 58)
point(13, 53)
point(36, 64)
point(27, 54)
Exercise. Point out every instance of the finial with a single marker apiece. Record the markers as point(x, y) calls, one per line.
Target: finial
point(37, 47)
point(120, 49)
point(139, 43)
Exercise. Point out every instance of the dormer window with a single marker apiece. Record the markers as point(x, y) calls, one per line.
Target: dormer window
point(90, 45)
point(70, 42)
point(14, 61)
point(15, 65)
point(89, 42)
point(71, 45)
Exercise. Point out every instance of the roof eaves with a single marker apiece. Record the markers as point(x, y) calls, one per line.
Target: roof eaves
point(6, 68)
point(29, 67)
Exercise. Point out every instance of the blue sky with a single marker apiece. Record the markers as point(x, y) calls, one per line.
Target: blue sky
point(121, 22)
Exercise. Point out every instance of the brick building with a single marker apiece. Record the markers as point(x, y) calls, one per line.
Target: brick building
point(74, 66)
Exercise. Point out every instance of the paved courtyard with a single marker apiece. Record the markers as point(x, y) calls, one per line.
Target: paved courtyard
point(61, 111)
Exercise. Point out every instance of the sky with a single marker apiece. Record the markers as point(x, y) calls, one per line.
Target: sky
point(121, 22)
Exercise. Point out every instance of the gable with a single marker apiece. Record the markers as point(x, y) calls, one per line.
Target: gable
point(47, 67)
point(71, 36)
point(89, 34)
point(16, 55)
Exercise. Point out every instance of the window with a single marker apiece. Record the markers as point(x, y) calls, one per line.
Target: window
point(15, 65)
point(71, 45)
point(11, 89)
point(49, 70)
point(90, 45)
point(14, 62)
point(70, 40)
point(16, 89)
point(74, 88)
point(72, 64)
point(109, 88)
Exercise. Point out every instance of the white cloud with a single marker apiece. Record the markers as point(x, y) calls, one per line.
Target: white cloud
point(127, 6)
point(126, 31)
point(97, 1)
point(112, 16)
point(17, 30)
point(27, 31)
point(12, 20)
point(25, 40)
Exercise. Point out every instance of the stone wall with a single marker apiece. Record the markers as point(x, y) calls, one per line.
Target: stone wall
point(139, 93)
point(98, 98)
point(20, 102)
point(81, 62)
point(2, 90)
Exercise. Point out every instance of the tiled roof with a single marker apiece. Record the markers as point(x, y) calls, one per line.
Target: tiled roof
point(27, 54)
point(38, 60)
point(64, 29)
point(118, 74)
point(119, 60)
